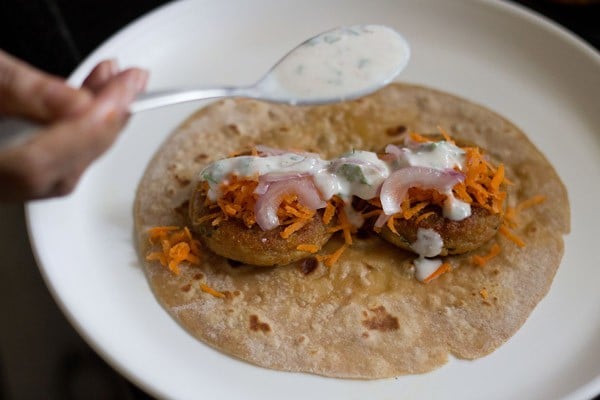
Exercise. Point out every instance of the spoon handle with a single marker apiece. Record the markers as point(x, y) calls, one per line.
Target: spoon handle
point(161, 98)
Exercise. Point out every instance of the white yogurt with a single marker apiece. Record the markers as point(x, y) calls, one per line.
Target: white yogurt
point(342, 63)
point(429, 243)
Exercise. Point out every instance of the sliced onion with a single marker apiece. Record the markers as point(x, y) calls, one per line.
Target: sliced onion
point(393, 149)
point(265, 180)
point(396, 186)
point(268, 203)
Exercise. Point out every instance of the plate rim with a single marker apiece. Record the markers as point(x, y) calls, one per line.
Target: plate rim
point(587, 390)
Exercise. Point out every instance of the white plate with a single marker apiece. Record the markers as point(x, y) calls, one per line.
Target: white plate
point(499, 55)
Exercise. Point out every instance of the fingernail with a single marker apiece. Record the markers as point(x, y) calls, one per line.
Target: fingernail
point(113, 66)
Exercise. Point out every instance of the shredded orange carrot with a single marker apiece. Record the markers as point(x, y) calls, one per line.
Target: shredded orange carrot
point(419, 138)
point(390, 224)
point(331, 259)
point(535, 200)
point(310, 248)
point(329, 213)
point(424, 216)
point(511, 236)
point(413, 210)
point(442, 269)
point(447, 137)
point(177, 246)
point(334, 229)
point(511, 216)
point(484, 293)
point(482, 260)
point(207, 289)
point(160, 232)
point(498, 178)
point(294, 227)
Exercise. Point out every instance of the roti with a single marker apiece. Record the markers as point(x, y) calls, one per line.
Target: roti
point(366, 316)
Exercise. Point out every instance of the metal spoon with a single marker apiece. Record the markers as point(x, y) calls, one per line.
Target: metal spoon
point(337, 65)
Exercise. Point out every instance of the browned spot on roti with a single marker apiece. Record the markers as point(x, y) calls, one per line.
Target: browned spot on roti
point(308, 265)
point(256, 325)
point(198, 276)
point(233, 128)
point(381, 320)
point(200, 157)
point(186, 288)
point(395, 130)
point(365, 335)
point(183, 182)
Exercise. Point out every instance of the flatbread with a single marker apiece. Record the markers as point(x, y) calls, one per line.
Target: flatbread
point(367, 316)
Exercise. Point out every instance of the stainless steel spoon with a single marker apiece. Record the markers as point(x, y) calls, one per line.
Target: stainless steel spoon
point(337, 65)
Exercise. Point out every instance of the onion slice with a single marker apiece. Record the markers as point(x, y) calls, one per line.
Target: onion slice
point(268, 203)
point(395, 187)
point(266, 180)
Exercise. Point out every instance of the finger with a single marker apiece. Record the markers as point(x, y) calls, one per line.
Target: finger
point(112, 103)
point(52, 162)
point(101, 75)
point(30, 93)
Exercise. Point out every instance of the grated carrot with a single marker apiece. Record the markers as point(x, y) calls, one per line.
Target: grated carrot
point(160, 232)
point(371, 213)
point(535, 200)
point(424, 216)
point(498, 177)
point(484, 293)
point(511, 236)
point(207, 289)
point(414, 210)
point(310, 248)
point(176, 246)
point(329, 213)
point(447, 137)
point(482, 260)
point(442, 269)
point(391, 226)
point(331, 259)
point(294, 227)
point(419, 138)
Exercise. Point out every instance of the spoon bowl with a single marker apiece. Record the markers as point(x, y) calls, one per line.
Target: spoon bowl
point(337, 65)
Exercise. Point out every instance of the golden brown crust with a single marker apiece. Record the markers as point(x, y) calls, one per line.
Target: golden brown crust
point(459, 236)
point(232, 239)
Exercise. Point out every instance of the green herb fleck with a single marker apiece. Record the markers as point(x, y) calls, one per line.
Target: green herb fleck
point(353, 173)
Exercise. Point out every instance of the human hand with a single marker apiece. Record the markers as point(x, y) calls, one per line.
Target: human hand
point(77, 125)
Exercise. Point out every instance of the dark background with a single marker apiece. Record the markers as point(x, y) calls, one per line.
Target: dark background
point(41, 356)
